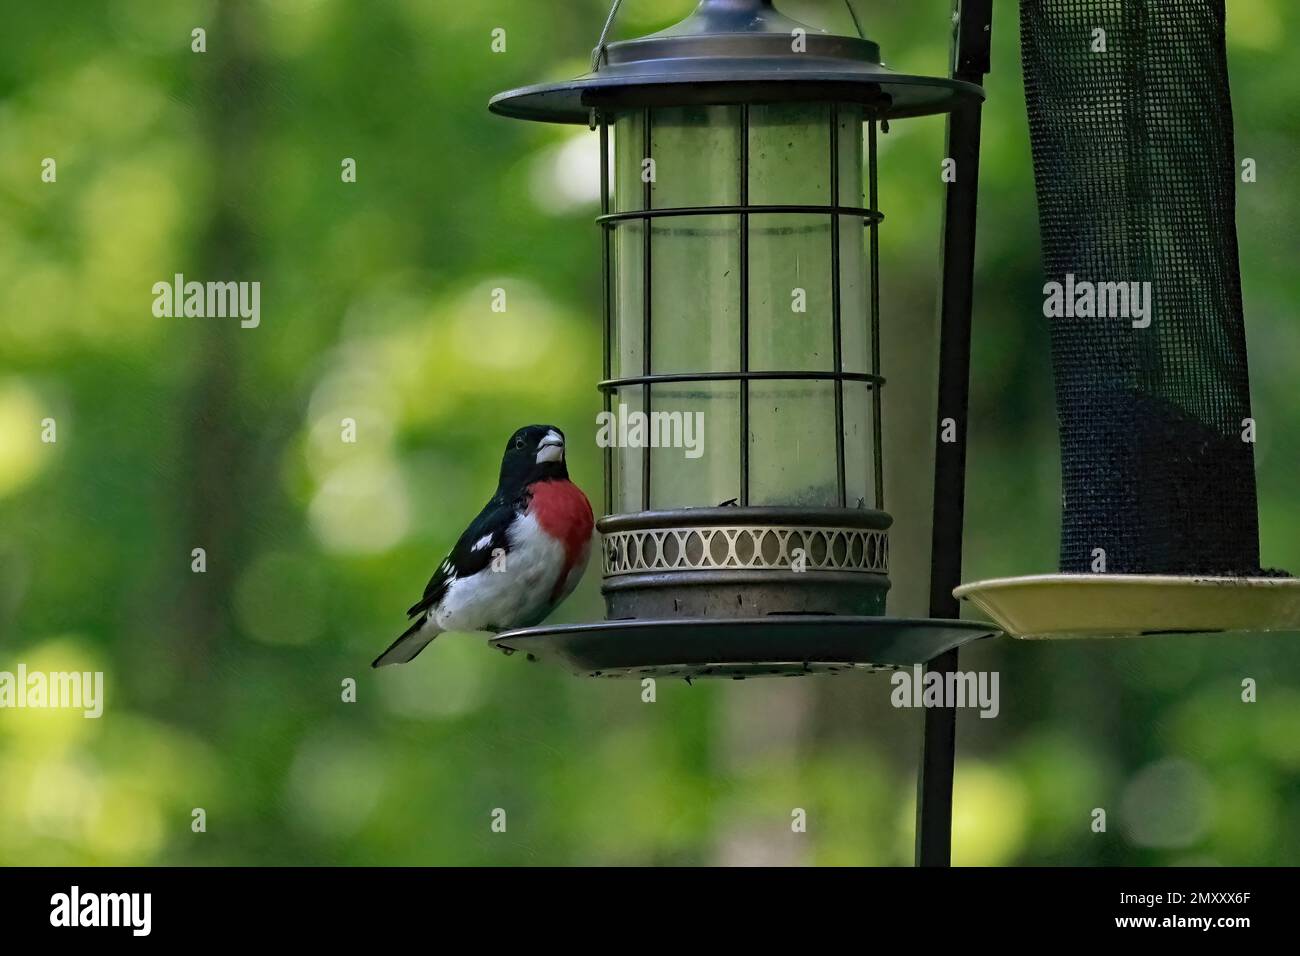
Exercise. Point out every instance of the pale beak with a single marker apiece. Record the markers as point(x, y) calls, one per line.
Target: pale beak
point(551, 448)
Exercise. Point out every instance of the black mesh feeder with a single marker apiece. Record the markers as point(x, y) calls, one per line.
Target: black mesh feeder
point(1136, 176)
point(745, 530)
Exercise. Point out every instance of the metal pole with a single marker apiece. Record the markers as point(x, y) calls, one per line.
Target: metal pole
point(971, 33)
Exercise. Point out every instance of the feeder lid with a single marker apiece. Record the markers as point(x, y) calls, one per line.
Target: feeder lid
point(1135, 605)
point(736, 51)
point(778, 645)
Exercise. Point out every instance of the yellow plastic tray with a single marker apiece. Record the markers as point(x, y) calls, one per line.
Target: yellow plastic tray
point(1046, 606)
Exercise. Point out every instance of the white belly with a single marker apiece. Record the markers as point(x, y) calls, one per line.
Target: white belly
point(517, 594)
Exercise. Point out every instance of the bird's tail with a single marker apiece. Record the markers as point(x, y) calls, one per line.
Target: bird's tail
point(413, 640)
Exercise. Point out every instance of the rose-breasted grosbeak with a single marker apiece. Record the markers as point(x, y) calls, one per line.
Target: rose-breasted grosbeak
point(522, 555)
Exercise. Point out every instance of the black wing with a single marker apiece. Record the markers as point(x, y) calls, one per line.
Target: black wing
point(473, 552)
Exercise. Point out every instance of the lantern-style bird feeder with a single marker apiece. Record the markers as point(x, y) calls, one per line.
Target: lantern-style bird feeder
point(741, 292)
point(741, 221)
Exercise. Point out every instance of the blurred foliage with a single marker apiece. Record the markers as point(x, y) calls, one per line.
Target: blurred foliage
point(224, 687)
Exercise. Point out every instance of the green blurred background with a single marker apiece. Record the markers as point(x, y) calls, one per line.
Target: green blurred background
point(223, 688)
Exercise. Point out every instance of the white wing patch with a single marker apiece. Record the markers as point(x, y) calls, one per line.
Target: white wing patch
point(482, 542)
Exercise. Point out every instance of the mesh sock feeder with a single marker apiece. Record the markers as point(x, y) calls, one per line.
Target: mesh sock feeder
point(1131, 127)
point(738, 170)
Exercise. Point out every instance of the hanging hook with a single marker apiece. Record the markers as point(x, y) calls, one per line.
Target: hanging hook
point(856, 25)
point(599, 52)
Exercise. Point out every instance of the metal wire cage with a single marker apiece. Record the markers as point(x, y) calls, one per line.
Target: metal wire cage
point(740, 261)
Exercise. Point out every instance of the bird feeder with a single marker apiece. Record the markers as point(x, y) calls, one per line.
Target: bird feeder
point(740, 225)
point(1159, 521)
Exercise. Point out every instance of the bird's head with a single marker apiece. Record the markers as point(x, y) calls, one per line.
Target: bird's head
point(534, 453)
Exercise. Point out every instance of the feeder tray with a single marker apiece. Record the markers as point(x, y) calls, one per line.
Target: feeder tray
point(1054, 606)
point(784, 646)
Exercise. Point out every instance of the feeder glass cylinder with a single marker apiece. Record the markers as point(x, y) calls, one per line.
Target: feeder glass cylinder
point(733, 292)
point(739, 316)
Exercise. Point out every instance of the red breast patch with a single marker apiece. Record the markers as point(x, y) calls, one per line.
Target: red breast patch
point(563, 512)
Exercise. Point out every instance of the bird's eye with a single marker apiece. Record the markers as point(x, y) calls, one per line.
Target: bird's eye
point(519, 443)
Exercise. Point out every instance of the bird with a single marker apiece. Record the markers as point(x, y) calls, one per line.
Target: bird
point(524, 553)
